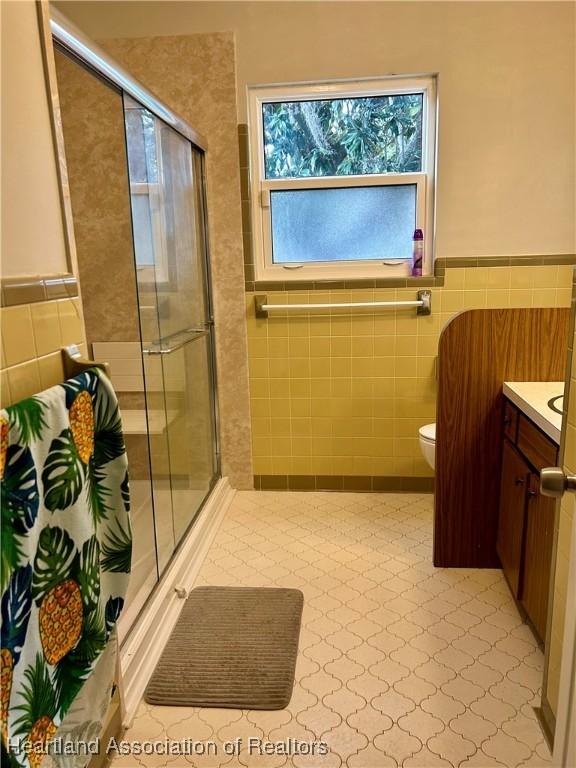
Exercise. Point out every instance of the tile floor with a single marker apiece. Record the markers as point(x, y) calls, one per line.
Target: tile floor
point(400, 663)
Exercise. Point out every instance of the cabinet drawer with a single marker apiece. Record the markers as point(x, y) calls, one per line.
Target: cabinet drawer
point(510, 421)
point(538, 449)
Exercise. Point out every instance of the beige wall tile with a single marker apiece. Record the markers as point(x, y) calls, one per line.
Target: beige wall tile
point(544, 297)
point(474, 278)
point(50, 370)
point(546, 277)
point(520, 298)
point(368, 382)
point(46, 325)
point(455, 279)
point(521, 278)
point(499, 277)
point(17, 335)
point(563, 297)
point(497, 298)
point(70, 322)
point(24, 380)
point(565, 276)
point(5, 395)
point(32, 334)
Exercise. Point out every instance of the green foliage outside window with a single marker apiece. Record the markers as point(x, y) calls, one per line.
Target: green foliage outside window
point(343, 137)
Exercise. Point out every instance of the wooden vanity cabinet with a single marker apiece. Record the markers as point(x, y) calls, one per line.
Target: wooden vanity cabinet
point(510, 542)
point(538, 547)
point(526, 518)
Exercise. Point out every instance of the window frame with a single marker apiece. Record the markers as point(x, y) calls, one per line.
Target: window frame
point(260, 186)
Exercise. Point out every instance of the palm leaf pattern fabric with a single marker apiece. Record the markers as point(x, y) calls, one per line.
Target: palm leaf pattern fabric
point(66, 552)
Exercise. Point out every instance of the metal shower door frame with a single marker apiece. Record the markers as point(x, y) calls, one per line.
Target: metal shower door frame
point(80, 47)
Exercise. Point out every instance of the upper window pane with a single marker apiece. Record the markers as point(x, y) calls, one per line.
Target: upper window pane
point(343, 137)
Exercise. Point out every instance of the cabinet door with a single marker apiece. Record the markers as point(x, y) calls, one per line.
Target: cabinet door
point(515, 474)
point(538, 556)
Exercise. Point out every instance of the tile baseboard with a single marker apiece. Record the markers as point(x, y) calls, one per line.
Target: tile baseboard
point(367, 483)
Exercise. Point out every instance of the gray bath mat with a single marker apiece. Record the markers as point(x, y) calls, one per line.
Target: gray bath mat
point(232, 647)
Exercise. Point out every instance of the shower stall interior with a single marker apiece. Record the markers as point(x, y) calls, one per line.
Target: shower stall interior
point(135, 180)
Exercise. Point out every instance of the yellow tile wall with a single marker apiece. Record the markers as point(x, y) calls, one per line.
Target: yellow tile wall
point(32, 335)
point(345, 394)
point(563, 539)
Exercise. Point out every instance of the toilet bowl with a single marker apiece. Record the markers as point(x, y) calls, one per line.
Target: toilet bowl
point(428, 443)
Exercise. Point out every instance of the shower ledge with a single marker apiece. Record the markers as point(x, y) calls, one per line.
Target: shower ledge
point(134, 421)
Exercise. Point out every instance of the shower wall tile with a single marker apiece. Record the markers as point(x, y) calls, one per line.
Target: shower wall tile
point(32, 335)
point(195, 75)
point(93, 127)
point(112, 350)
point(125, 361)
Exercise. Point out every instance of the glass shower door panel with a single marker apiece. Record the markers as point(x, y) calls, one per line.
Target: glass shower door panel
point(171, 258)
point(185, 327)
point(159, 454)
point(188, 380)
point(98, 185)
point(145, 179)
point(181, 280)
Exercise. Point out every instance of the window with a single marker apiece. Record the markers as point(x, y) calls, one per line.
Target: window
point(147, 192)
point(341, 176)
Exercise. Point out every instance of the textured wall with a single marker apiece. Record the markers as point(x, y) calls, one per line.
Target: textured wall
point(195, 75)
point(506, 179)
point(93, 126)
point(345, 394)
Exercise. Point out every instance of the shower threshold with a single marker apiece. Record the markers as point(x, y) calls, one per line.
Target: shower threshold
point(146, 638)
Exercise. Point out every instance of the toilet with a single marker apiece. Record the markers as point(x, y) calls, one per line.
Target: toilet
point(428, 443)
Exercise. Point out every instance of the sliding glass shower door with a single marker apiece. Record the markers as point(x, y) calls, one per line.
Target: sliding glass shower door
point(168, 219)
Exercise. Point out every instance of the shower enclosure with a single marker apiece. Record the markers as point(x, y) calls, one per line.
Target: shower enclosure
point(176, 327)
point(136, 187)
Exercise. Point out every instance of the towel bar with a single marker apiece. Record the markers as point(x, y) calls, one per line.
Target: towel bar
point(423, 305)
point(74, 363)
point(191, 334)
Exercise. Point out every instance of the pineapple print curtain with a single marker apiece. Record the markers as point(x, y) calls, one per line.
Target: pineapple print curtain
point(66, 551)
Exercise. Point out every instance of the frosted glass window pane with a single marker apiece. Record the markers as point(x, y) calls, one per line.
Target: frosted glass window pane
point(344, 224)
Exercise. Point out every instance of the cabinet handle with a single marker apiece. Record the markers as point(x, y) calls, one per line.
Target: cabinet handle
point(507, 420)
point(519, 481)
point(532, 493)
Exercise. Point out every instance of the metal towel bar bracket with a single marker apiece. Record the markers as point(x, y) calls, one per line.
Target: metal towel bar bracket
point(73, 362)
point(423, 305)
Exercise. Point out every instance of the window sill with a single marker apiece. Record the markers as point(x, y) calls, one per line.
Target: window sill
point(425, 281)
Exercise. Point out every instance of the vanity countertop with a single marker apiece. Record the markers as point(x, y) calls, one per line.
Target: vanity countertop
point(532, 397)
